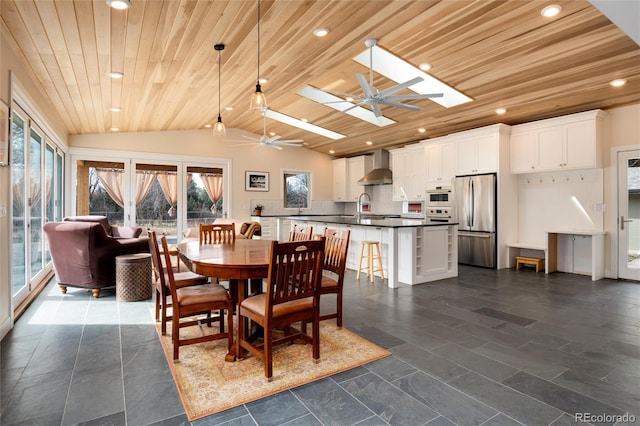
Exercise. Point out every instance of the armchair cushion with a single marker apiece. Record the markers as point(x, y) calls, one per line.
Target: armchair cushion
point(112, 231)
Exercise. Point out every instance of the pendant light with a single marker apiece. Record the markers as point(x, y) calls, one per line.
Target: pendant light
point(218, 128)
point(258, 100)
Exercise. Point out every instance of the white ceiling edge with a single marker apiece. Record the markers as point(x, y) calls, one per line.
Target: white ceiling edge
point(286, 119)
point(625, 14)
point(398, 70)
point(322, 97)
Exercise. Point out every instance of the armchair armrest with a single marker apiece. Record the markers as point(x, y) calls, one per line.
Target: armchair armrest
point(126, 231)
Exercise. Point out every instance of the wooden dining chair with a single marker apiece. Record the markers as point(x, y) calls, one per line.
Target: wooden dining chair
point(335, 263)
point(196, 300)
point(162, 290)
point(292, 295)
point(301, 233)
point(217, 233)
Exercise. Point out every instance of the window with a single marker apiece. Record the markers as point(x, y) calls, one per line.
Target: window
point(297, 189)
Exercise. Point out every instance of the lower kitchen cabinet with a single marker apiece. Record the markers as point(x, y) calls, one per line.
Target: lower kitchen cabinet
point(422, 258)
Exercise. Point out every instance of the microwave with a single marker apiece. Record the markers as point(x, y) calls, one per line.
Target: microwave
point(440, 197)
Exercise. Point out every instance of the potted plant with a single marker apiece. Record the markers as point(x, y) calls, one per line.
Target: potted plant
point(258, 209)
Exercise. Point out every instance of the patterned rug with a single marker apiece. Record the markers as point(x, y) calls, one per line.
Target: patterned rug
point(207, 384)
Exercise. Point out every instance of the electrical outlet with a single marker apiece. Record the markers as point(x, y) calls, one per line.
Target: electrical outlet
point(3, 209)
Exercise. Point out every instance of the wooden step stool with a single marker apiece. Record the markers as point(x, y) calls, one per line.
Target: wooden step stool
point(533, 261)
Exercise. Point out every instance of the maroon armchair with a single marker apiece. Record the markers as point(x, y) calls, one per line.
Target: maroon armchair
point(84, 254)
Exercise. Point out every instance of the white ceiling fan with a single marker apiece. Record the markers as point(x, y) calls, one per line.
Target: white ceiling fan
point(273, 141)
point(373, 99)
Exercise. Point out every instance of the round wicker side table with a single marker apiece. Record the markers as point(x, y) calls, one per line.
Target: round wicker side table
point(133, 277)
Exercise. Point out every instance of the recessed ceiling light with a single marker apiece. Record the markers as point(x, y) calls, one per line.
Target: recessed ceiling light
point(115, 129)
point(500, 110)
point(321, 32)
point(272, 133)
point(263, 80)
point(228, 108)
point(115, 74)
point(119, 4)
point(551, 10)
point(304, 120)
point(349, 99)
point(422, 130)
point(424, 66)
point(618, 82)
point(115, 109)
point(207, 126)
point(369, 143)
point(331, 151)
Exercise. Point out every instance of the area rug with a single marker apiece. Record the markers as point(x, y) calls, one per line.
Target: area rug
point(207, 384)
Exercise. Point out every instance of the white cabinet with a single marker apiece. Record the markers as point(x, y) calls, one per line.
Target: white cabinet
point(357, 167)
point(477, 153)
point(428, 254)
point(440, 160)
point(346, 173)
point(563, 143)
point(409, 175)
point(269, 227)
point(340, 179)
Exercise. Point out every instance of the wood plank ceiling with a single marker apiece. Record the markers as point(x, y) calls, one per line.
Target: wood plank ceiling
point(500, 53)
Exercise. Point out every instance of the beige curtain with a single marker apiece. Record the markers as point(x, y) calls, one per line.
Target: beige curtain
point(144, 182)
point(213, 186)
point(111, 180)
point(169, 184)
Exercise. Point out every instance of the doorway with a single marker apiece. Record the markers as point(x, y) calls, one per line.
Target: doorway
point(629, 214)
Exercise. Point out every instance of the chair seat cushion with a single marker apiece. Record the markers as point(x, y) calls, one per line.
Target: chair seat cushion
point(328, 282)
point(187, 278)
point(258, 305)
point(198, 294)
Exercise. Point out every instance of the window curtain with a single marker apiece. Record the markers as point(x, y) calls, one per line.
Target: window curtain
point(18, 194)
point(169, 184)
point(213, 186)
point(111, 180)
point(144, 183)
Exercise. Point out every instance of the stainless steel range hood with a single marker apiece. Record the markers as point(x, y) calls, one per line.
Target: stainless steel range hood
point(380, 174)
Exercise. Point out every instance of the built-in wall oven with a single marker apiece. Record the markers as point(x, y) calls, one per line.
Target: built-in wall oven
point(439, 214)
point(441, 196)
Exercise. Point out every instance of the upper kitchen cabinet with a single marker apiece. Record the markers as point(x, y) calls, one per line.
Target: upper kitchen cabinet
point(346, 173)
point(478, 150)
point(440, 160)
point(408, 166)
point(340, 179)
point(562, 143)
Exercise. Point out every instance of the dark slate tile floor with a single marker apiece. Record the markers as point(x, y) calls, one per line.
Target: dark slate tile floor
point(487, 348)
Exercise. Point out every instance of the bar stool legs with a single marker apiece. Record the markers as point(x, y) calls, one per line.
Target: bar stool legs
point(370, 256)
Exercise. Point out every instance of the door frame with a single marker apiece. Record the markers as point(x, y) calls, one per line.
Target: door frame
point(612, 212)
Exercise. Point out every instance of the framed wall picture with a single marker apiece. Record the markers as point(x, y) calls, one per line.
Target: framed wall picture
point(256, 181)
point(4, 134)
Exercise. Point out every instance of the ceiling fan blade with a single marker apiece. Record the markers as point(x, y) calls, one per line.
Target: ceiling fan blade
point(344, 94)
point(352, 107)
point(399, 105)
point(416, 96)
point(272, 145)
point(273, 138)
point(250, 138)
point(400, 86)
point(368, 91)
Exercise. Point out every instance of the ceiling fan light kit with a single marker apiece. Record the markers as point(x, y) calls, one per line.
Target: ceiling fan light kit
point(219, 129)
point(258, 100)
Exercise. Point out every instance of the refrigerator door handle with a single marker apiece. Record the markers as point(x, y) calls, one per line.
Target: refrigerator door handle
point(474, 234)
point(473, 204)
point(469, 200)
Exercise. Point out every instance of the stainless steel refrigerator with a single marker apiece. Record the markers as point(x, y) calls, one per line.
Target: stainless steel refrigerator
point(475, 211)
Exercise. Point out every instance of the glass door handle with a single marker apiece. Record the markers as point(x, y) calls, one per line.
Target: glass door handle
point(622, 222)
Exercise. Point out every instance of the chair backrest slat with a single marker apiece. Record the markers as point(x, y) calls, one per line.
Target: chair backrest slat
point(336, 249)
point(218, 233)
point(301, 233)
point(295, 270)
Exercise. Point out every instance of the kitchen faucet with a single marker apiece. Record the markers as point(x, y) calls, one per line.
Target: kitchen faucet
point(362, 203)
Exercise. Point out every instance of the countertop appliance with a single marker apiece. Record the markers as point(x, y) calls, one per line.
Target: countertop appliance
point(475, 212)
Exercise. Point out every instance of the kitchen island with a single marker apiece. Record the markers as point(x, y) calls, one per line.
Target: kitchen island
point(413, 251)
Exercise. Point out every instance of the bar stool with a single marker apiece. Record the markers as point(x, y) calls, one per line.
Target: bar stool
point(370, 256)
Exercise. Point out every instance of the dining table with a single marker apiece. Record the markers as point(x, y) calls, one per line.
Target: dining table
point(242, 262)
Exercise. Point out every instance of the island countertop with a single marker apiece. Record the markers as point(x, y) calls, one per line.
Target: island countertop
point(381, 223)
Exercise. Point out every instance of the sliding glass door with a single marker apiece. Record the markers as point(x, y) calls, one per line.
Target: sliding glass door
point(36, 188)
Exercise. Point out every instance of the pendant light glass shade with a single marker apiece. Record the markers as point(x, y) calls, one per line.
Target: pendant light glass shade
point(258, 100)
point(219, 129)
